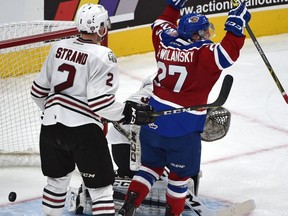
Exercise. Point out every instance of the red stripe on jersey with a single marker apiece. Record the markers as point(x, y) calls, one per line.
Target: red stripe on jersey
point(53, 200)
point(92, 105)
point(70, 103)
point(103, 208)
point(38, 92)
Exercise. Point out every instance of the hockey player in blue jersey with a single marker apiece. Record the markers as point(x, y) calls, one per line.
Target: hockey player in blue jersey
point(189, 64)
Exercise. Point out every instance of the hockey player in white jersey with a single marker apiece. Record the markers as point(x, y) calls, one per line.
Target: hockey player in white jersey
point(75, 90)
point(80, 201)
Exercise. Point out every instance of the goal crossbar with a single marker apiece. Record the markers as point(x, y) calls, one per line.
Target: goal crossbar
point(38, 38)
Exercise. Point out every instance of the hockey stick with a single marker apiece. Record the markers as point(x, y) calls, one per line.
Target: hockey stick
point(262, 54)
point(222, 97)
point(121, 130)
point(196, 205)
point(135, 148)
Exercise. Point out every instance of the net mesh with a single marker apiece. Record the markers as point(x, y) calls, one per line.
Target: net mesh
point(20, 117)
point(217, 124)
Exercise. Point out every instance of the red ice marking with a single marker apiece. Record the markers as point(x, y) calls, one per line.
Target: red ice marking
point(20, 201)
point(245, 154)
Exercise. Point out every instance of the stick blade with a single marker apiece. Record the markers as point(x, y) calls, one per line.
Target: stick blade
point(238, 209)
point(225, 90)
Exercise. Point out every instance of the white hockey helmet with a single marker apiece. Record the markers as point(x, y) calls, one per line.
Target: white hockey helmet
point(90, 17)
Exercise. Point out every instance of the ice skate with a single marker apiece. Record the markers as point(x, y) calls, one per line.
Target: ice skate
point(129, 207)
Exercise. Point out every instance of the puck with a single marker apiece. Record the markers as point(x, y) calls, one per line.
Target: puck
point(12, 196)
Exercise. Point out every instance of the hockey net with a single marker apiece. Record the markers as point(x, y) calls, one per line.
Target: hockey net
point(23, 49)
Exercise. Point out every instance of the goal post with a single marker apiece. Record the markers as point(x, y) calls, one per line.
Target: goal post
point(23, 49)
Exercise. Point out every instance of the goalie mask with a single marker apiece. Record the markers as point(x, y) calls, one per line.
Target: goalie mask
point(216, 125)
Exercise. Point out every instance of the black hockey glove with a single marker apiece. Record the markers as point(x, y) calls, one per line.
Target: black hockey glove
point(137, 114)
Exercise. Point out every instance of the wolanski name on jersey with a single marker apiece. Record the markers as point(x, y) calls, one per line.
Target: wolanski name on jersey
point(175, 55)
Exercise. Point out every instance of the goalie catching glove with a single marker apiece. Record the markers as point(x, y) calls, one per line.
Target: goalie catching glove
point(137, 114)
point(216, 125)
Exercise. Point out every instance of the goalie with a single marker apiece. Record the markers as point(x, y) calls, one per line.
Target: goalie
point(126, 153)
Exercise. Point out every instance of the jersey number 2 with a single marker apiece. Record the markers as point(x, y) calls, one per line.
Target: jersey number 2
point(71, 75)
point(70, 79)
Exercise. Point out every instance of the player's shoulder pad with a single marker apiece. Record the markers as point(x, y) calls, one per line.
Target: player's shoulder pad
point(106, 52)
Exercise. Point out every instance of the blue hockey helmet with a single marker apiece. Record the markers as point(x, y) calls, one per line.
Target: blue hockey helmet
point(193, 23)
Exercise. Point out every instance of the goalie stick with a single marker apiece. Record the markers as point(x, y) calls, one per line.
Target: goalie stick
point(135, 148)
point(196, 205)
point(236, 209)
point(262, 54)
point(120, 129)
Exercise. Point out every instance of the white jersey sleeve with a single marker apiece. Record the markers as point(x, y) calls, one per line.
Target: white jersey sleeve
point(102, 86)
point(143, 94)
point(41, 85)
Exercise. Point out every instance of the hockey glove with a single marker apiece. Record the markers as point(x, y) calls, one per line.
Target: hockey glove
point(237, 20)
point(217, 124)
point(177, 4)
point(137, 114)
